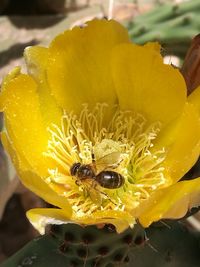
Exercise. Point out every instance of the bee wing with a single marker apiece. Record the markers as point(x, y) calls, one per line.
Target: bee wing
point(90, 186)
point(111, 160)
point(95, 196)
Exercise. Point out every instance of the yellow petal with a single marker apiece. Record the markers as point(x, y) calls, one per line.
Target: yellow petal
point(146, 85)
point(194, 98)
point(171, 202)
point(40, 188)
point(13, 74)
point(121, 220)
point(32, 180)
point(24, 122)
point(79, 64)
point(39, 218)
point(36, 60)
point(153, 46)
point(182, 143)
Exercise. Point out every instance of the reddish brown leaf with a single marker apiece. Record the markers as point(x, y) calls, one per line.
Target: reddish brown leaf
point(191, 65)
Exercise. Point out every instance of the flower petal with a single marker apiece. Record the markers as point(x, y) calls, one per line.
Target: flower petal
point(121, 220)
point(39, 218)
point(24, 121)
point(171, 202)
point(146, 85)
point(182, 143)
point(194, 98)
point(36, 60)
point(79, 64)
point(32, 180)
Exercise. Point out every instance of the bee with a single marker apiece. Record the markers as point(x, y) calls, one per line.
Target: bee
point(106, 178)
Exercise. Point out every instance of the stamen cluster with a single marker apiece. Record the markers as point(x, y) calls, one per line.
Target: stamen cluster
point(128, 134)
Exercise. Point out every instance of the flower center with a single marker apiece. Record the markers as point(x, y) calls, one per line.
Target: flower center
point(118, 151)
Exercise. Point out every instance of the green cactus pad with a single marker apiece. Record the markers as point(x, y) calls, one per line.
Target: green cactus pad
point(169, 244)
point(76, 246)
point(173, 25)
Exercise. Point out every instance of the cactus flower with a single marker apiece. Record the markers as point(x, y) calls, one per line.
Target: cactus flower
point(102, 129)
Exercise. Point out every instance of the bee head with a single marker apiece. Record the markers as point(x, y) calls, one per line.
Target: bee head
point(74, 168)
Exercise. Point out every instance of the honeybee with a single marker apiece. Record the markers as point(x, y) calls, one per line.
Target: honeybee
point(88, 174)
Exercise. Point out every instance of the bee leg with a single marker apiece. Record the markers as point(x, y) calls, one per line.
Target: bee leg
point(103, 193)
point(78, 182)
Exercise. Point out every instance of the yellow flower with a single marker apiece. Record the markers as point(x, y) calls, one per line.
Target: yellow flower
point(93, 100)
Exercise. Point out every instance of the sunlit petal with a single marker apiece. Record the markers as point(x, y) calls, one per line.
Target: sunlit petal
point(182, 143)
point(79, 64)
point(171, 202)
point(146, 85)
point(31, 180)
point(40, 218)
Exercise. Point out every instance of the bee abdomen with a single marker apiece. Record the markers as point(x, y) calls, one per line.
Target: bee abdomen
point(110, 179)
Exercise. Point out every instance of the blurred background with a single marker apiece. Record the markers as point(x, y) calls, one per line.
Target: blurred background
point(30, 22)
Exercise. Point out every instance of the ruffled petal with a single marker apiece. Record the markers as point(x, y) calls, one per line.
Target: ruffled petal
point(194, 98)
point(24, 122)
point(36, 58)
point(79, 64)
point(32, 181)
point(182, 143)
point(145, 85)
point(121, 220)
point(171, 203)
point(40, 218)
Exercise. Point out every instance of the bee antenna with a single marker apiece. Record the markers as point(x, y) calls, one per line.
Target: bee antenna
point(74, 168)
